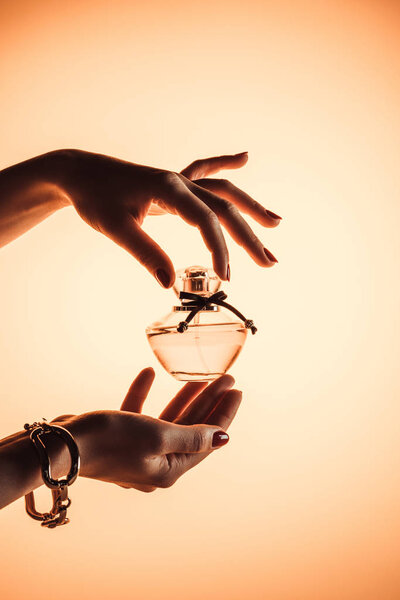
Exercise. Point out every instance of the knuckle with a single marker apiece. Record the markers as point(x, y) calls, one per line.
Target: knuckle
point(253, 238)
point(198, 440)
point(250, 238)
point(195, 165)
point(169, 179)
point(204, 182)
point(156, 440)
point(165, 480)
point(209, 216)
point(110, 223)
point(230, 209)
point(148, 490)
point(225, 183)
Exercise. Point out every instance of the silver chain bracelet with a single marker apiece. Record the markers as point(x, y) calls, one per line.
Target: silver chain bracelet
point(59, 487)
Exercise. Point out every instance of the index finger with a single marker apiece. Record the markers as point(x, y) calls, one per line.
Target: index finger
point(182, 201)
point(208, 166)
point(222, 416)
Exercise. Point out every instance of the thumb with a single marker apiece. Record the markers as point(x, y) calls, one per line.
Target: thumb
point(195, 438)
point(129, 235)
point(138, 391)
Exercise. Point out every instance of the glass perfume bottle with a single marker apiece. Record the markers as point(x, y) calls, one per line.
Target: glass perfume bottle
point(198, 340)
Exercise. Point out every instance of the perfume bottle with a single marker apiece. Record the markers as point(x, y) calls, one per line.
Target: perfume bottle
point(199, 340)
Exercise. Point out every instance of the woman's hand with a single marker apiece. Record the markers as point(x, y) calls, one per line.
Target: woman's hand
point(114, 197)
point(138, 451)
point(126, 447)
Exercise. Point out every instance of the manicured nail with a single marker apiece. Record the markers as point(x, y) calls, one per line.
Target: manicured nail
point(272, 215)
point(162, 277)
point(270, 256)
point(228, 273)
point(220, 438)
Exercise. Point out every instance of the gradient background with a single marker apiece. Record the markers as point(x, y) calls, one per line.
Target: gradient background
point(304, 502)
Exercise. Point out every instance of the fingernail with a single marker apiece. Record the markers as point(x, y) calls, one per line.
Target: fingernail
point(272, 214)
point(242, 153)
point(228, 273)
point(220, 438)
point(162, 277)
point(270, 256)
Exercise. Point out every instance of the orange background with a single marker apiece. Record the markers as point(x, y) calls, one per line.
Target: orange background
point(304, 502)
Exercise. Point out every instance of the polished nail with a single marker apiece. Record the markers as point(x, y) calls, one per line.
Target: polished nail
point(220, 438)
point(162, 277)
point(270, 256)
point(272, 215)
point(242, 153)
point(228, 273)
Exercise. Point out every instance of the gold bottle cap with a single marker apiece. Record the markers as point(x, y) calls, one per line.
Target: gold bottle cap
point(197, 280)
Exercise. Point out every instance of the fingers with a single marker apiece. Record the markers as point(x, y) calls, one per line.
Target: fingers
point(199, 169)
point(233, 221)
point(138, 391)
point(244, 202)
point(129, 235)
point(199, 409)
point(222, 415)
point(208, 166)
point(182, 400)
point(181, 200)
point(193, 439)
point(225, 411)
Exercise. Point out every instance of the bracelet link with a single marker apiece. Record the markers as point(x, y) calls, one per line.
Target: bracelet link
point(59, 487)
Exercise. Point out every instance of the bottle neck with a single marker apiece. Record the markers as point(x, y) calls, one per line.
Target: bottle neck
point(208, 308)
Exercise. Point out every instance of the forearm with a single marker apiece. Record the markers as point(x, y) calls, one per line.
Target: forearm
point(20, 471)
point(29, 193)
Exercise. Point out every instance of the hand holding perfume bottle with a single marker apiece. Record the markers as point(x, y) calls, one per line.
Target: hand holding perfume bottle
point(200, 339)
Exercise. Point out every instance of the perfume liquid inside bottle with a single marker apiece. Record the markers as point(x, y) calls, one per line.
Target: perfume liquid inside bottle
point(213, 338)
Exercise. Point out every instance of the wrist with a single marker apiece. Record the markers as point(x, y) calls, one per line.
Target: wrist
point(35, 186)
point(54, 171)
point(86, 429)
point(20, 469)
point(30, 192)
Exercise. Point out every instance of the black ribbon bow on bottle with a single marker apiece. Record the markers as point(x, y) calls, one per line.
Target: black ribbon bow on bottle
point(197, 303)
